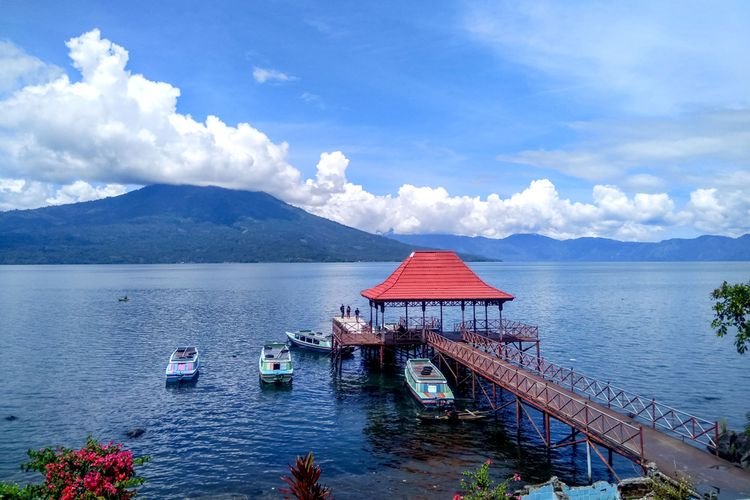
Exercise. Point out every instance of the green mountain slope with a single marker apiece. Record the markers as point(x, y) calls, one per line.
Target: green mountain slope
point(167, 224)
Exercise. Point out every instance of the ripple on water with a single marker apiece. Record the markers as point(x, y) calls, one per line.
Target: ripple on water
point(77, 361)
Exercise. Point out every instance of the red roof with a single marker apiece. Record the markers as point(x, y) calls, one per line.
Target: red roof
point(434, 275)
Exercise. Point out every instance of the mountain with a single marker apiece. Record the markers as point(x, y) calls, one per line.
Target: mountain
point(534, 247)
point(167, 224)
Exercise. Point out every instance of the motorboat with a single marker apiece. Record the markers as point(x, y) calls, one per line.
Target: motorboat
point(275, 364)
point(184, 364)
point(427, 384)
point(309, 339)
point(315, 341)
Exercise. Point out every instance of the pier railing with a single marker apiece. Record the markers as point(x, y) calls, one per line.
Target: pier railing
point(635, 406)
point(505, 329)
point(596, 423)
point(418, 323)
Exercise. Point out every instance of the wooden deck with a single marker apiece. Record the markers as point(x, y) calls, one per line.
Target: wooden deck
point(350, 332)
point(602, 425)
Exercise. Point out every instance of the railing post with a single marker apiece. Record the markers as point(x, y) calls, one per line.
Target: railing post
point(586, 413)
point(643, 455)
point(653, 413)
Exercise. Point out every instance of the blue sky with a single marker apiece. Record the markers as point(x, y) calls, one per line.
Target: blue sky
point(619, 120)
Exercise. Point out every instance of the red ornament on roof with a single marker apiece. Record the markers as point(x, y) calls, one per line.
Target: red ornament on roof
point(434, 275)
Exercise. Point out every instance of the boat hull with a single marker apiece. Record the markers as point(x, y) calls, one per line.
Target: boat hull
point(276, 378)
point(182, 377)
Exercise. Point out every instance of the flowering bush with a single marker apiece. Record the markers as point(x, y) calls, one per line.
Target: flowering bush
point(95, 471)
point(479, 486)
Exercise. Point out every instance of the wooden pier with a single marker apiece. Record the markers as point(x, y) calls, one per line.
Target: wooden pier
point(506, 355)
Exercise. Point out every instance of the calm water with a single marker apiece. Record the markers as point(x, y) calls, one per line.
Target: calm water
point(76, 361)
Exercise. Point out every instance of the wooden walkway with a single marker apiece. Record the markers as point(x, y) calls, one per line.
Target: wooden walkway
point(600, 424)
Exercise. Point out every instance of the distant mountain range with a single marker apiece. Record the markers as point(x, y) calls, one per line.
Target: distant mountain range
point(533, 247)
point(169, 224)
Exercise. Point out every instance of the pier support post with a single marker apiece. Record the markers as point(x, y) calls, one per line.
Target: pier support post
point(382, 355)
point(546, 430)
point(588, 460)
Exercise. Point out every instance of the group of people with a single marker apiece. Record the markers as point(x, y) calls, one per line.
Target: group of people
point(348, 311)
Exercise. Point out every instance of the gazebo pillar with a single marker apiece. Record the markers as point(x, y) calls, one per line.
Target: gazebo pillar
point(407, 315)
point(424, 306)
point(463, 307)
point(500, 317)
point(441, 316)
point(486, 320)
point(474, 313)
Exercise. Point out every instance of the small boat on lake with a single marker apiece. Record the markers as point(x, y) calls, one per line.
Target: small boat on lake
point(275, 363)
point(124, 298)
point(309, 339)
point(427, 384)
point(315, 341)
point(453, 415)
point(183, 365)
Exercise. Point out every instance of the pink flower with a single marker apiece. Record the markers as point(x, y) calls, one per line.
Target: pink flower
point(458, 496)
point(516, 477)
point(489, 461)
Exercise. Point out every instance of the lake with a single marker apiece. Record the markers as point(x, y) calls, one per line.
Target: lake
point(75, 361)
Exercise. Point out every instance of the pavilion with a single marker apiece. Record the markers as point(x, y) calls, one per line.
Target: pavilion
point(435, 279)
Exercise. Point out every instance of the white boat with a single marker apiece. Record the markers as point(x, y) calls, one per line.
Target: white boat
point(316, 341)
point(184, 364)
point(427, 384)
point(275, 364)
point(309, 339)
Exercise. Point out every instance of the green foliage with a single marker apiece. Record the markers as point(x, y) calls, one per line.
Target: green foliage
point(730, 311)
point(478, 485)
point(664, 489)
point(10, 491)
point(303, 484)
point(93, 472)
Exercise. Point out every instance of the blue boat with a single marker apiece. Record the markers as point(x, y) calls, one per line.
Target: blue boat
point(184, 364)
point(275, 364)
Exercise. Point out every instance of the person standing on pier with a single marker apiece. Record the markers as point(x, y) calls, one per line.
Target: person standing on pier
point(348, 311)
point(356, 314)
point(342, 310)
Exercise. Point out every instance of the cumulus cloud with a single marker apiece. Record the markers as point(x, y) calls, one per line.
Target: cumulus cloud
point(63, 141)
point(263, 75)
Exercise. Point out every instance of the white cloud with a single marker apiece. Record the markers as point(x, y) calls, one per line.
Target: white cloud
point(704, 148)
point(83, 191)
point(638, 56)
point(313, 99)
point(263, 75)
point(65, 141)
point(18, 68)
